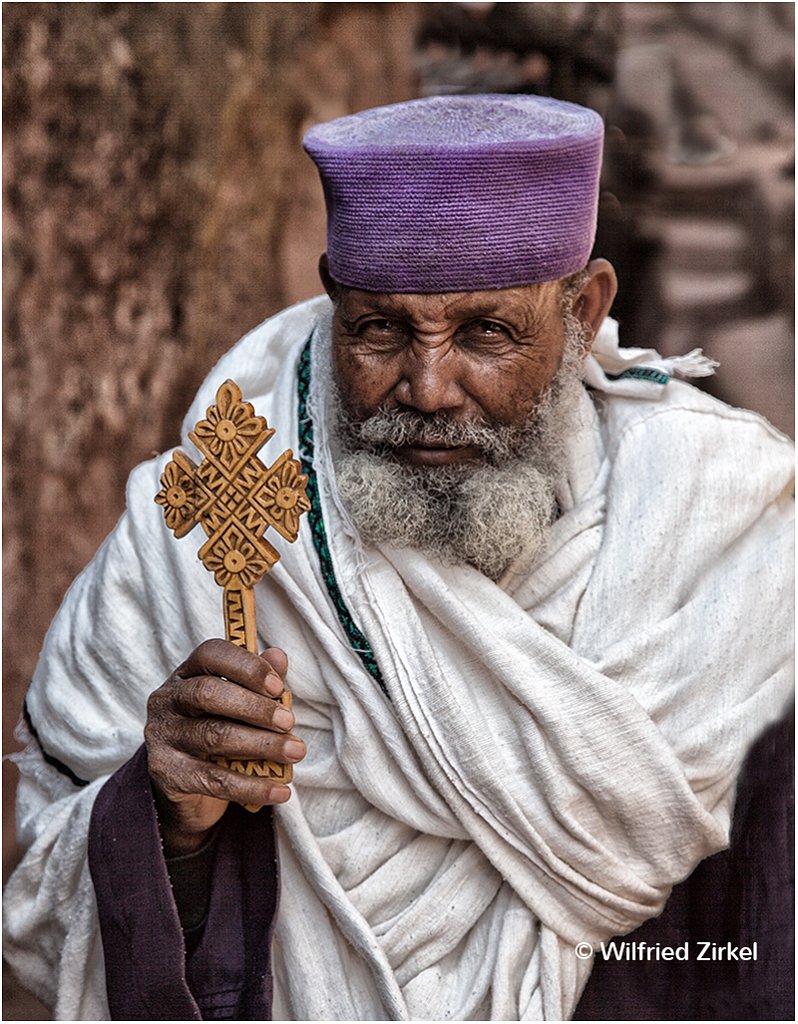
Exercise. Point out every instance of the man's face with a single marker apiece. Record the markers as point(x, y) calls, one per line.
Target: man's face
point(467, 356)
point(452, 417)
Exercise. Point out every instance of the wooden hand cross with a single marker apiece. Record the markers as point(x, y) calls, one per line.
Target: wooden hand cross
point(235, 499)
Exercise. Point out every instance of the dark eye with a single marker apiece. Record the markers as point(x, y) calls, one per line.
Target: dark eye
point(490, 327)
point(484, 334)
point(383, 332)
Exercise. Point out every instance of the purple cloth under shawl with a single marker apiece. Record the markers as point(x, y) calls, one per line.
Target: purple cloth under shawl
point(228, 975)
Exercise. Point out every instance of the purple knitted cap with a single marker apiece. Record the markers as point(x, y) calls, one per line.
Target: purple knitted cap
point(459, 193)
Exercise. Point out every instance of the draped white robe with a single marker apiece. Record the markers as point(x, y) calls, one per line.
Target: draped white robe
point(557, 751)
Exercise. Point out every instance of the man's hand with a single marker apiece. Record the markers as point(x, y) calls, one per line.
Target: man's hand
point(219, 701)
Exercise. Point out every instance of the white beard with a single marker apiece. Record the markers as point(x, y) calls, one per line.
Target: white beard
point(488, 513)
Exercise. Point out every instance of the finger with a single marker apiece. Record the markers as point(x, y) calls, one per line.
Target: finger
point(278, 660)
point(191, 776)
point(221, 658)
point(202, 737)
point(202, 696)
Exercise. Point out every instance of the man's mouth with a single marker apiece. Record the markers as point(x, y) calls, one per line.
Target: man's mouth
point(431, 454)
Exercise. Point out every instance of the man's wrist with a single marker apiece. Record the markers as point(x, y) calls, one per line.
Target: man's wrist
point(177, 837)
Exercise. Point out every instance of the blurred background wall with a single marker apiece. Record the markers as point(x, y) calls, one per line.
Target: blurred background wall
point(157, 205)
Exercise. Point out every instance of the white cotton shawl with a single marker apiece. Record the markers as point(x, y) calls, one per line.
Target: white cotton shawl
point(557, 750)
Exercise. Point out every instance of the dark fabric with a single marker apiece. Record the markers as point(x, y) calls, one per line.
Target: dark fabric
point(742, 895)
point(191, 876)
point(229, 972)
point(148, 977)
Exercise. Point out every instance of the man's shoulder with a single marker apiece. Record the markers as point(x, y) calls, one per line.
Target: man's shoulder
point(690, 458)
point(686, 419)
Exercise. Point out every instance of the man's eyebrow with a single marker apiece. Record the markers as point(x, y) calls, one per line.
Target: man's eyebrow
point(352, 319)
point(521, 315)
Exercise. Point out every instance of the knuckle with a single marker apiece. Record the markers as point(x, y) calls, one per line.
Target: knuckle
point(155, 726)
point(211, 734)
point(214, 779)
point(156, 701)
point(196, 691)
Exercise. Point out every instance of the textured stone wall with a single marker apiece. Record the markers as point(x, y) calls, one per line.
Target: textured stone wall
point(157, 205)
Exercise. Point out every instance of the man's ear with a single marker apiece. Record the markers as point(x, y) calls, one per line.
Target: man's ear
point(324, 273)
point(593, 302)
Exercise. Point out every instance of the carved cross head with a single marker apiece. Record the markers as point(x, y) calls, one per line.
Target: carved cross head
point(232, 494)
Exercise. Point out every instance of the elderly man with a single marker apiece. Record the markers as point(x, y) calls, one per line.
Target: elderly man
point(531, 629)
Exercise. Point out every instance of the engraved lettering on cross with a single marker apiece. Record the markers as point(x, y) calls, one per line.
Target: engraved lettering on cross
point(235, 499)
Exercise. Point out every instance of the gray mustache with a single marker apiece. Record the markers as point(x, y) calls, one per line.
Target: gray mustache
point(398, 427)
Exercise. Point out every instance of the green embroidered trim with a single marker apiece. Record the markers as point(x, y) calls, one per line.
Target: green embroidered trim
point(642, 373)
point(359, 643)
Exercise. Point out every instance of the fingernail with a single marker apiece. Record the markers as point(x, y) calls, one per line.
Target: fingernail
point(283, 719)
point(274, 684)
point(279, 794)
point(294, 749)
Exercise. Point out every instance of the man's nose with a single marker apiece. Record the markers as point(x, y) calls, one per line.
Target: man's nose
point(430, 383)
